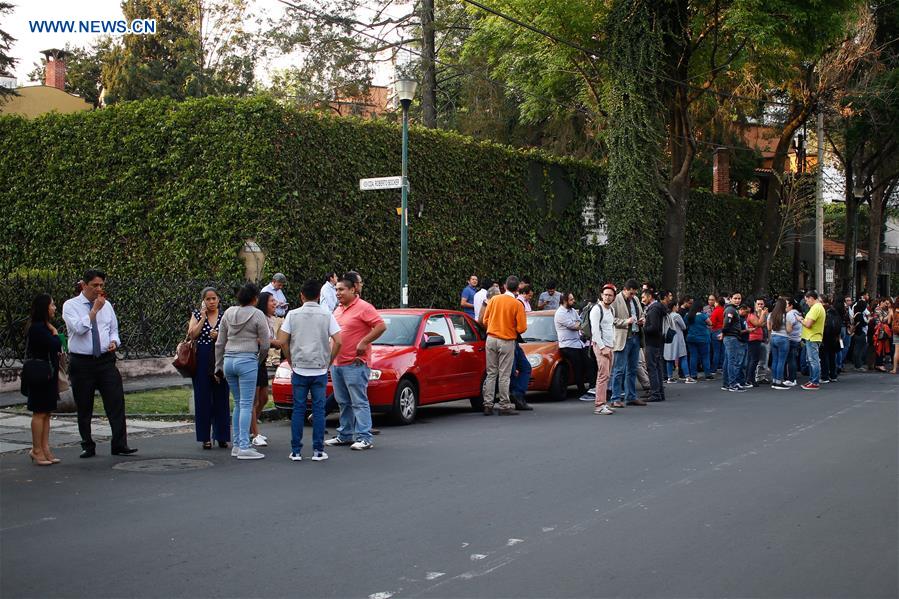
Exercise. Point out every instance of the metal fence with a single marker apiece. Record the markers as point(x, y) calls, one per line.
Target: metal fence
point(153, 312)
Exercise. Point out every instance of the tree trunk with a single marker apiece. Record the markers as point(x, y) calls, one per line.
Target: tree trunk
point(767, 245)
point(673, 240)
point(428, 67)
point(875, 226)
point(848, 274)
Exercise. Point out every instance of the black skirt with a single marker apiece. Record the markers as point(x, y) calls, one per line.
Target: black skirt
point(43, 345)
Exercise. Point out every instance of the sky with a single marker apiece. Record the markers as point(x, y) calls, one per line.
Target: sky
point(27, 47)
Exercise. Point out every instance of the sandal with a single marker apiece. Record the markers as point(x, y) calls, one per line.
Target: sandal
point(207, 445)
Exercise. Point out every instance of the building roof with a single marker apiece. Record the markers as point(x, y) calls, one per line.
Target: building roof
point(837, 249)
point(36, 100)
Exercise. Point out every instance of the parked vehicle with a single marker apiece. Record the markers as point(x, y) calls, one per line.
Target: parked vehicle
point(551, 374)
point(424, 357)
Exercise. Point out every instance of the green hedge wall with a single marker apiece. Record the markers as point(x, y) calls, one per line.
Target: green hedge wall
point(164, 188)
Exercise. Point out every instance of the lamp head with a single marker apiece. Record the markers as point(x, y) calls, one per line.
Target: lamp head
point(405, 90)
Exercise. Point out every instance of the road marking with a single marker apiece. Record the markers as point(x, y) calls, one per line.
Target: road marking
point(434, 575)
point(477, 556)
point(512, 542)
point(381, 595)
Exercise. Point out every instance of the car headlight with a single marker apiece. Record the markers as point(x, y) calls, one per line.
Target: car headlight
point(374, 375)
point(535, 360)
point(283, 372)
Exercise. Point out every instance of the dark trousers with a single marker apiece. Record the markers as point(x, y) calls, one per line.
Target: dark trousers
point(88, 375)
point(577, 359)
point(859, 347)
point(792, 365)
point(829, 363)
point(655, 368)
point(755, 354)
point(210, 400)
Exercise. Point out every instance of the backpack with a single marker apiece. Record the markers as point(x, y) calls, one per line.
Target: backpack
point(586, 329)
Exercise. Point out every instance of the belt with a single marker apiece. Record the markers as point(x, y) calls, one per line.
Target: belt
point(90, 357)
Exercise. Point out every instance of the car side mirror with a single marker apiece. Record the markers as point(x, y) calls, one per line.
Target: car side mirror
point(434, 340)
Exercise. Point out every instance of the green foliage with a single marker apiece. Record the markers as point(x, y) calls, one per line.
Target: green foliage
point(83, 69)
point(173, 189)
point(7, 62)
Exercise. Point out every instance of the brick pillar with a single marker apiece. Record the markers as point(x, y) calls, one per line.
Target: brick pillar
point(721, 171)
point(55, 73)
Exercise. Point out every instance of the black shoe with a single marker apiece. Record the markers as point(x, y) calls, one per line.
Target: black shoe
point(223, 444)
point(88, 453)
point(375, 431)
point(125, 451)
point(521, 404)
point(207, 445)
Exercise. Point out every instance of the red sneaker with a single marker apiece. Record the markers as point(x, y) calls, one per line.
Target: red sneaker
point(811, 386)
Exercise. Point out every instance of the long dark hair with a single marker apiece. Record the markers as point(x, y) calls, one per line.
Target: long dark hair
point(778, 313)
point(691, 315)
point(40, 309)
point(262, 302)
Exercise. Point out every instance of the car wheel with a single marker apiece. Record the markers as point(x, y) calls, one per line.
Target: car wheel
point(477, 403)
point(558, 388)
point(405, 403)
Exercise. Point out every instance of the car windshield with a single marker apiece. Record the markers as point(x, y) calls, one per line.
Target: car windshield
point(540, 328)
point(401, 329)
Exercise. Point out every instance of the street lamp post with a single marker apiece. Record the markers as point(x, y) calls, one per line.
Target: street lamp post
point(405, 91)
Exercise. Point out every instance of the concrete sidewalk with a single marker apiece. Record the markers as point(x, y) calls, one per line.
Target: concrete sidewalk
point(15, 430)
point(132, 385)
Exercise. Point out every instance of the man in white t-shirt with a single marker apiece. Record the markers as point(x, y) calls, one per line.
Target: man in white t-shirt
point(480, 298)
point(311, 337)
point(602, 331)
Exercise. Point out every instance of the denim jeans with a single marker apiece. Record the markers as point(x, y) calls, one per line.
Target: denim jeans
point(803, 359)
point(847, 341)
point(716, 351)
point(302, 386)
point(351, 392)
point(699, 353)
point(240, 371)
point(624, 371)
point(725, 370)
point(736, 352)
point(780, 350)
point(682, 367)
point(791, 370)
point(812, 351)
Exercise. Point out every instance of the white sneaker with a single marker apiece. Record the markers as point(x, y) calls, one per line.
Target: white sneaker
point(295, 457)
point(259, 441)
point(234, 450)
point(336, 442)
point(690, 380)
point(790, 383)
point(261, 436)
point(605, 410)
point(249, 454)
point(361, 445)
point(319, 456)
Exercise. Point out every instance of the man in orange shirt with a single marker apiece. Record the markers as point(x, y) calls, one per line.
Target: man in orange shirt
point(505, 319)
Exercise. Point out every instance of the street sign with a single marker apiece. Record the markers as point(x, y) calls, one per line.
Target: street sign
point(828, 275)
point(380, 183)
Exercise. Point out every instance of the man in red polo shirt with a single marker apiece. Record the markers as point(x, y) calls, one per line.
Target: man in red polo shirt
point(360, 324)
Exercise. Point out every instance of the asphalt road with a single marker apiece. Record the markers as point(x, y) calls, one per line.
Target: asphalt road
point(764, 494)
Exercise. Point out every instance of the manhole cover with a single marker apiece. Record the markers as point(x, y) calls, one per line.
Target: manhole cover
point(163, 465)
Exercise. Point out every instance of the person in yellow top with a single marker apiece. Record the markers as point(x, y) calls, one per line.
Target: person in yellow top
point(812, 334)
point(505, 319)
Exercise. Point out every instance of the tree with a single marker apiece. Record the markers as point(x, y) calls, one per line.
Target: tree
point(84, 69)
point(7, 62)
point(200, 48)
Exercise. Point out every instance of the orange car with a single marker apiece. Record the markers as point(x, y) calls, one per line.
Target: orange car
point(550, 372)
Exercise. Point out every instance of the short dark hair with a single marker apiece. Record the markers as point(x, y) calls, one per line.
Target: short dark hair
point(348, 280)
point(487, 283)
point(246, 294)
point(311, 290)
point(352, 276)
point(330, 274)
point(812, 294)
point(512, 283)
point(551, 284)
point(40, 308)
point(92, 273)
point(632, 284)
point(745, 307)
point(524, 288)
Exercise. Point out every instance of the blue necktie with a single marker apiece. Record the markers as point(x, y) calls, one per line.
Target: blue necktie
point(95, 336)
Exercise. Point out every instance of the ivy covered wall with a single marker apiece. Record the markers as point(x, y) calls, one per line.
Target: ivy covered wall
point(172, 189)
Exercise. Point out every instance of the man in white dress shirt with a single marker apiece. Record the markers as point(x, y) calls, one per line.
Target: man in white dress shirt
point(328, 293)
point(93, 339)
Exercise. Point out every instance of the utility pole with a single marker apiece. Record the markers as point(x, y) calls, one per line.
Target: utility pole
point(819, 208)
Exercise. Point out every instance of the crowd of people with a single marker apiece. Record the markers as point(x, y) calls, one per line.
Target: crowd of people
point(615, 340)
point(641, 334)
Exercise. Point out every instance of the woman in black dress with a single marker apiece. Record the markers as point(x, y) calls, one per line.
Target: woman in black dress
point(43, 344)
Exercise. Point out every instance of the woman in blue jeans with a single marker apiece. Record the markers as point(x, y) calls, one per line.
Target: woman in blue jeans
point(699, 340)
point(242, 343)
point(780, 329)
point(794, 331)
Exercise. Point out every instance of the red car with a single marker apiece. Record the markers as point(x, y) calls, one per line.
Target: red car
point(425, 356)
